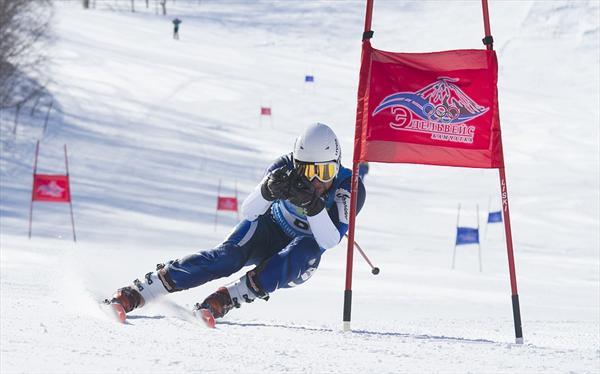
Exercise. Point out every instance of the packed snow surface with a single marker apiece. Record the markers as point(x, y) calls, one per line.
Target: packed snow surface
point(154, 125)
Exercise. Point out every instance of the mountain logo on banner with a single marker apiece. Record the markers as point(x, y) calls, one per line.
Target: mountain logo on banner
point(52, 189)
point(441, 109)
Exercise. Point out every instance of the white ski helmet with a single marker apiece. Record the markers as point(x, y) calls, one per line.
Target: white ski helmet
point(317, 143)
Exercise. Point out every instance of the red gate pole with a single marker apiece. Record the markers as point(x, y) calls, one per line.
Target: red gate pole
point(511, 259)
point(217, 207)
point(37, 150)
point(70, 196)
point(488, 41)
point(367, 34)
point(237, 209)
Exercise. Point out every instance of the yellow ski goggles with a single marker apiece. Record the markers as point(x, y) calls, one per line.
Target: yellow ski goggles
point(323, 171)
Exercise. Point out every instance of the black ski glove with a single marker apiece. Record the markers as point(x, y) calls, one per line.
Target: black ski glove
point(303, 194)
point(276, 185)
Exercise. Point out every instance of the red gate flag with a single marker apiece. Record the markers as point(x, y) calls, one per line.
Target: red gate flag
point(52, 188)
point(437, 108)
point(227, 203)
point(265, 111)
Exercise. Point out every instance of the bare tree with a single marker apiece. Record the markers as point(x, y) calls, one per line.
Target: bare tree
point(133, 5)
point(23, 32)
point(86, 4)
point(163, 3)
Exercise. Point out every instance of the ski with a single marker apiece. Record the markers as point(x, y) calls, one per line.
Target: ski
point(206, 317)
point(115, 310)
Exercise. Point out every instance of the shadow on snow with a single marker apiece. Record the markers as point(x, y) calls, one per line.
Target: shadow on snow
point(361, 332)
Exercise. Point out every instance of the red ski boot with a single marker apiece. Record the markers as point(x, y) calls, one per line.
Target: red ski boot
point(214, 306)
point(124, 301)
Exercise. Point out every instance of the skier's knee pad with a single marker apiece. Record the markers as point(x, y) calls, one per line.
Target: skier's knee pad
point(305, 257)
point(312, 265)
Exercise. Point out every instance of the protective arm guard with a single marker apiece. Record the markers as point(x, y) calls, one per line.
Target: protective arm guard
point(325, 232)
point(255, 204)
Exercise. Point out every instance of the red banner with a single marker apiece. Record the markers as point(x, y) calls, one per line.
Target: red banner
point(265, 111)
point(53, 188)
point(227, 203)
point(436, 108)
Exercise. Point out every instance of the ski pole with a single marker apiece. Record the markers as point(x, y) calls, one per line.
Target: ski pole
point(374, 269)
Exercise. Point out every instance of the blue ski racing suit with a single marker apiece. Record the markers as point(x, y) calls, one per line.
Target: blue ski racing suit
point(277, 237)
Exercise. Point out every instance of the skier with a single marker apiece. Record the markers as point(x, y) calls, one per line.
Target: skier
point(176, 23)
point(298, 211)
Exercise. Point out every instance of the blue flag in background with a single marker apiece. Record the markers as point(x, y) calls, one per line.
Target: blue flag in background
point(467, 235)
point(309, 78)
point(494, 217)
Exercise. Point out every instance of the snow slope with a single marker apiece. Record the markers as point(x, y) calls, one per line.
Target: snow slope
point(153, 124)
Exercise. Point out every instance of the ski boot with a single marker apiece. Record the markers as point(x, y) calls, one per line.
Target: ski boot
point(124, 301)
point(136, 296)
point(226, 298)
point(216, 305)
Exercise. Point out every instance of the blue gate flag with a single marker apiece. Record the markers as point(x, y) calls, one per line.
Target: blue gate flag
point(309, 78)
point(494, 217)
point(467, 235)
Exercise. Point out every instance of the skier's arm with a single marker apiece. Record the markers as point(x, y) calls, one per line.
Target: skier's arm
point(325, 232)
point(255, 204)
point(303, 195)
point(329, 227)
point(268, 190)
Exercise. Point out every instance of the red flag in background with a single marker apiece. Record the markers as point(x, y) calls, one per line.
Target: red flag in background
point(436, 108)
point(52, 188)
point(265, 111)
point(227, 203)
